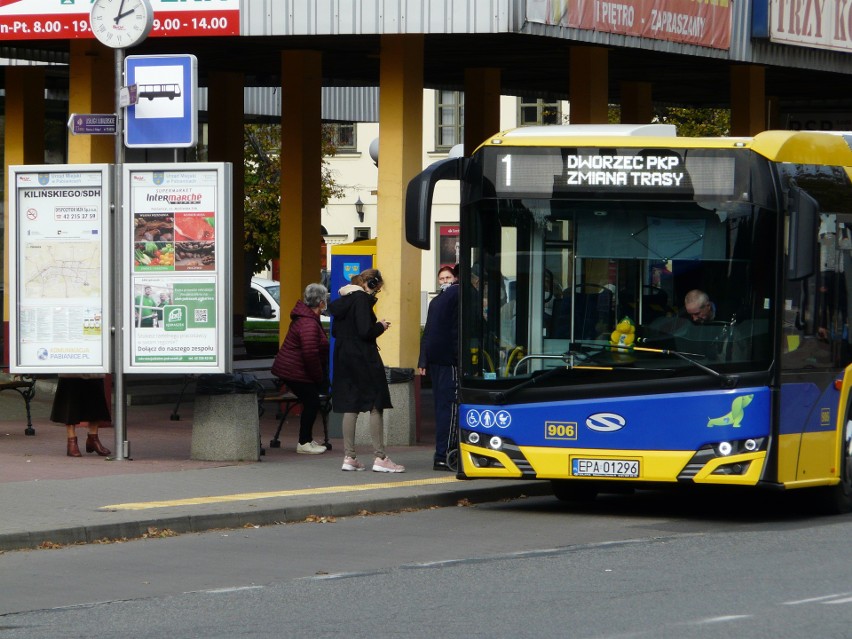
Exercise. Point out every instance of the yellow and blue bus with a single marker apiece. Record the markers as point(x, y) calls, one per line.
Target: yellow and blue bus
point(641, 309)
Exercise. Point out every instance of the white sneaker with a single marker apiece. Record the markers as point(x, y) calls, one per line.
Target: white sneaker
point(386, 466)
point(351, 463)
point(311, 448)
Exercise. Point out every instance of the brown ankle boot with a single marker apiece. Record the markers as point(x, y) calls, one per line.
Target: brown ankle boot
point(73, 449)
point(93, 445)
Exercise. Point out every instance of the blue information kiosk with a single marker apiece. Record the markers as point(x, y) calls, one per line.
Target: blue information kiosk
point(348, 260)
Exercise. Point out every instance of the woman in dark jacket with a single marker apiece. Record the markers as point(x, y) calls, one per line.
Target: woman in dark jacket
point(359, 384)
point(302, 362)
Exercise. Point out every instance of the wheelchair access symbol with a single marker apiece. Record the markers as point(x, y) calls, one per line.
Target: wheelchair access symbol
point(488, 418)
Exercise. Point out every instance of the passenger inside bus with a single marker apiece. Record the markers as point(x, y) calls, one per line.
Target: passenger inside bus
point(698, 307)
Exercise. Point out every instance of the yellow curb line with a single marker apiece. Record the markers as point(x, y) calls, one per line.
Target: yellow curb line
point(218, 499)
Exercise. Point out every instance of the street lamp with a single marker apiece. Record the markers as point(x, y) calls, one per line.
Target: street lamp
point(359, 209)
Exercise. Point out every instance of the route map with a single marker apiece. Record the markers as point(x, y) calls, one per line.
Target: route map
point(62, 269)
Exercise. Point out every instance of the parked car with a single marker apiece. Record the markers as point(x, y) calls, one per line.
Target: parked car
point(263, 317)
point(264, 303)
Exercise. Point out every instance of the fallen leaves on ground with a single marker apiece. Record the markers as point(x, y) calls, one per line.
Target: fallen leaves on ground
point(156, 533)
point(319, 519)
point(49, 545)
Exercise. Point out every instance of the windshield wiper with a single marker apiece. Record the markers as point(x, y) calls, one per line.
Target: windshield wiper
point(692, 358)
point(573, 360)
point(728, 381)
point(586, 360)
point(500, 397)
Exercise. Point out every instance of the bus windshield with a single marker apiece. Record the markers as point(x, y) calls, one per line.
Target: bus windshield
point(602, 288)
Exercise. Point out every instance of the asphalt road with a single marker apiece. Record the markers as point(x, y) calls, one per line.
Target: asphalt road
point(648, 565)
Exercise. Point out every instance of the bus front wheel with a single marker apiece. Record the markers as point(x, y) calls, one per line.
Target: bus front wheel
point(838, 499)
point(574, 490)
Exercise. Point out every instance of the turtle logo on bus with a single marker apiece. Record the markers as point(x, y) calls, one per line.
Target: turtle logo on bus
point(735, 416)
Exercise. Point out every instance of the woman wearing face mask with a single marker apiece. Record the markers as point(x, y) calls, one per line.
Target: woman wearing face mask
point(439, 356)
point(359, 383)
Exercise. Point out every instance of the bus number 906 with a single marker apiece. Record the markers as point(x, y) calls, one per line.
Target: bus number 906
point(560, 430)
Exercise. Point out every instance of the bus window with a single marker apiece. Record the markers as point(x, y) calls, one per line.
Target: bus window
point(562, 274)
point(816, 297)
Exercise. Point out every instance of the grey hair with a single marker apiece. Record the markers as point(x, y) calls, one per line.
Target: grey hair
point(315, 294)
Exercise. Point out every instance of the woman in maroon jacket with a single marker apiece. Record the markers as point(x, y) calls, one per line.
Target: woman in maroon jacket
point(302, 362)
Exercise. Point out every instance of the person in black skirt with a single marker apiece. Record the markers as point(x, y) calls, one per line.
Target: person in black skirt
point(81, 399)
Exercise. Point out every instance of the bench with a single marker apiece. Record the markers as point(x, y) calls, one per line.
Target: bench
point(286, 401)
point(25, 387)
point(274, 391)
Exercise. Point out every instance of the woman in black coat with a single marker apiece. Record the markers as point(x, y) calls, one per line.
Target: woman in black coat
point(358, 383)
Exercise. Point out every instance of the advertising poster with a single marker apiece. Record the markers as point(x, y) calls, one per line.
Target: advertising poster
point(59, 273)
point(67, 19)
point(704, 23)
point(820, 25)
point(448, 251)
point(178, 267)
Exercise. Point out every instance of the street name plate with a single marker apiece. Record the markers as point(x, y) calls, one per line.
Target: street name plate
point(92, 123)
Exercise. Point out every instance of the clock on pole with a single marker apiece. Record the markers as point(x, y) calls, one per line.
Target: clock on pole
point(121, 23)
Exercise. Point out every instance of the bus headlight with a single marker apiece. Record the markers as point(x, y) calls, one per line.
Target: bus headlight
point(750, 445)
point(496, 443)
point(724, 449)
point(473, 438)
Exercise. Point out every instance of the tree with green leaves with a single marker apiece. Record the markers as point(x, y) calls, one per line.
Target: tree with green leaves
point(262, 153)
point(694, 123)
point(690, 122)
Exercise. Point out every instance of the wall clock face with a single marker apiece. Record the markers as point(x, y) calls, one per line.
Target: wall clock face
point(121, 23)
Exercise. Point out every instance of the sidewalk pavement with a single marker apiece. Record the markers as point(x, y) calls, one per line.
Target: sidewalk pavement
point(48, 498)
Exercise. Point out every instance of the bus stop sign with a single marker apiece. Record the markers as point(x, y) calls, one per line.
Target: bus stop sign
point(166, 109)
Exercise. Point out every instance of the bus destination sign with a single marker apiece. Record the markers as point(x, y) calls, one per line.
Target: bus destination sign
point(546, 171)
point(624, 170)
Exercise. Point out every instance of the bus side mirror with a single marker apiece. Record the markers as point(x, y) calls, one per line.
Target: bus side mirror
point(418, 199)
point(804, 213)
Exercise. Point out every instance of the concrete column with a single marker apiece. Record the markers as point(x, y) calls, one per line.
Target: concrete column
point(23, 144)
point(91, 86)
point(225, 428)
point(481, 106)
point(748, 99)
point(773, 114)
point(588, 85)
point(24, 130)
point(401, 157)
point(301, 156)
point(636, 105)
point(225, 112)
